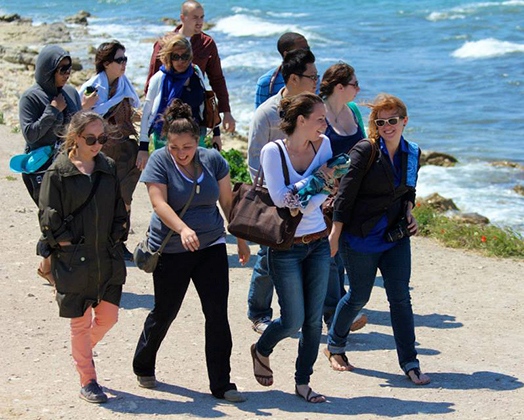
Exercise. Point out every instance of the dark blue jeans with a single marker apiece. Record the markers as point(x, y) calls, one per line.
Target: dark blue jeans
point(261, 289)
point(300, 275)
point(395, 266)
point(208, 268)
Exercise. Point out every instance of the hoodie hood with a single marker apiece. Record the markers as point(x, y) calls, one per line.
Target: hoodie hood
point(46, 65)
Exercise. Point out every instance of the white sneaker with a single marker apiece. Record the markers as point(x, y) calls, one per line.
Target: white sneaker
point(261, 324)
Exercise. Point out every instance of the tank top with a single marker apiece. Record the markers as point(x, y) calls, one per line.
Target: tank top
point(341, 143)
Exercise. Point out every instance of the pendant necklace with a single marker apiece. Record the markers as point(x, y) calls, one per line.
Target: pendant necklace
point(192, 177)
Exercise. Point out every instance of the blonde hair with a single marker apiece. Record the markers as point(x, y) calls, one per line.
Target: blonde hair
point(383, 102)
point(169, 43)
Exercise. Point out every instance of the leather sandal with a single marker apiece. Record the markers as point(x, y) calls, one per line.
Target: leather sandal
point(418, 373)
point(264, 380)
point(311, 396)
point(348, 366)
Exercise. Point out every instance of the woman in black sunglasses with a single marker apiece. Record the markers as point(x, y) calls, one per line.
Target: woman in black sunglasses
point(372, 223)
point(83, 221)
point(44, 110)
point(179, 78)
point(110, 94)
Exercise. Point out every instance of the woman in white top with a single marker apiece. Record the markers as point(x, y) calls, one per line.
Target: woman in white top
point(300, 274)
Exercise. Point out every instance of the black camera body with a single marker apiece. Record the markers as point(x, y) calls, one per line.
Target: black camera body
point(398, 231)
point(90, 90)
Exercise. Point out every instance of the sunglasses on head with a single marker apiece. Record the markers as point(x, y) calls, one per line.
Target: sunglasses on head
point(65, 69)
point(120, 60)
point(90, 139)
point(391, 121)
point(178, 57)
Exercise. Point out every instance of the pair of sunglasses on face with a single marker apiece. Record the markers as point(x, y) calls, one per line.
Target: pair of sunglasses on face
point(391, 121)
point(90, 139)
point(65, 69)
point(120, 60)
point(178, 57)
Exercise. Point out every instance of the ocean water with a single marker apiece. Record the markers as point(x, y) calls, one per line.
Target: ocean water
point(458, 65)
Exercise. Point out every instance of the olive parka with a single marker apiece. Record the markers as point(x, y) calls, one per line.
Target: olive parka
point(85, 271)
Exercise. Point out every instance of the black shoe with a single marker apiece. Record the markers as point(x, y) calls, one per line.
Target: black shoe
point(128, 256)
point(93, 393)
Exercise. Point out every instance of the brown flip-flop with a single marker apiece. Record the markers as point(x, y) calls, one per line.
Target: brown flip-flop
point(260, 378)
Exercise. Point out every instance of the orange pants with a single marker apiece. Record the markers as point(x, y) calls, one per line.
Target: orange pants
point(86, 332)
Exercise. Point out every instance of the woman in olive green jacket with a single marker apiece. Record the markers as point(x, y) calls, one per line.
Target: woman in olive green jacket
point(83, 219)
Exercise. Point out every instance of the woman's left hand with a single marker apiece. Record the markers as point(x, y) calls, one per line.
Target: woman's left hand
point(189, 239)
point(243, 251)
point(412, 222)
point(88, 102)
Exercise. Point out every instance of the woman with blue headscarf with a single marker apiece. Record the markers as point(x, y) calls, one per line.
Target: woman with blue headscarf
point(179, 78)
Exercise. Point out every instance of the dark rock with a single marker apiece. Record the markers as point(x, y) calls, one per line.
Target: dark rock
point(439, 203)
point(79, 19)
point(471, 218)
point(170, 21)
point(519, 189)
point(507, 164)
point(437, 159)
point(10, 18)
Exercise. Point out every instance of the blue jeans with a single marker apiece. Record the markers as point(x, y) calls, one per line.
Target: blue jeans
point(260, 289)
point(395, 266)
point(300, 275)
point(335, 289)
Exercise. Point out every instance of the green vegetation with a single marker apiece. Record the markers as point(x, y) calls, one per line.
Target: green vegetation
point(487, 239)
point(237, 166)
point(15, 129)
point(11, 178)
point(2, 119)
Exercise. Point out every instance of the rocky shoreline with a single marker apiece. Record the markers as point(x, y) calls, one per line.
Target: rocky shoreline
point(21, 41)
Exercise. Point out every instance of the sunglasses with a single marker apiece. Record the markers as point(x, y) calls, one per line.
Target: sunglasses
point(90, 139)
point(355, 84)
point(390, 121)
point(178, 57)
point(313, 77)
point(65, 69)
point(120, 60)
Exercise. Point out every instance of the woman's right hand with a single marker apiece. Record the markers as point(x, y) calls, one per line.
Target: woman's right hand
point(141, 159)
point(89, 101)
point(189, 239)
point(59, 102)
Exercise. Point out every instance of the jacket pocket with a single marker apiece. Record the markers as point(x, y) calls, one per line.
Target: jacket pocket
point(70, 268)
point(118, 265)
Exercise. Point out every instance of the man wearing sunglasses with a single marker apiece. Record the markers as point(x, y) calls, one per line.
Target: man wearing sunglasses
point(205, 56)
point(300, 75)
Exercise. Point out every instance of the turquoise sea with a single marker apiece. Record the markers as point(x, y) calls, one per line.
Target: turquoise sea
point(458, 65)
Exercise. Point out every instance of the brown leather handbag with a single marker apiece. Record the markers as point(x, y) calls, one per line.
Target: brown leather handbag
point(254, 217)
point(211, 114)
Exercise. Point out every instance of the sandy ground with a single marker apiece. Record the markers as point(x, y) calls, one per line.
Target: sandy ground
point(470, 337)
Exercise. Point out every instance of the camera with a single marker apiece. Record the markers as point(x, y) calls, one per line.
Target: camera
point(398, 231)
point(90, 90)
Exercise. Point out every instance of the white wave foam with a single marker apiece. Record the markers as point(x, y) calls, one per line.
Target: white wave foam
point(485, 48)
point(251, 59)
point(243, 25)
point(477, 187)
point(461, 12)
point(287, 14)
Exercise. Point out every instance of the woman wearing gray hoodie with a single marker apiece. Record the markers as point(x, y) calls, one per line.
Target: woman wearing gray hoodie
point(44, 109)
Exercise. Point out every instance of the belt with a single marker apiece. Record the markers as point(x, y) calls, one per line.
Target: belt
point(310, 237)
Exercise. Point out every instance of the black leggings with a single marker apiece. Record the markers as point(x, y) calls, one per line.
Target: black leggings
point(208, 268)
